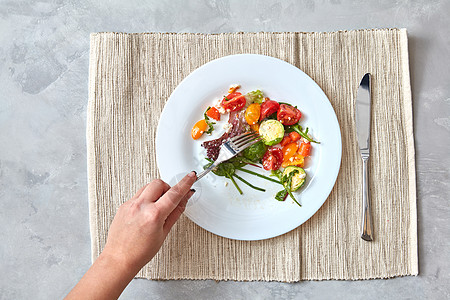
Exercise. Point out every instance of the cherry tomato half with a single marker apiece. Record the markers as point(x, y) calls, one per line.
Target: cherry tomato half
point(255, 127)
point(288, 115)
point(273, 159)
point(198, 129)
point(289, 150)
point(213, 113)
point(232, 95)
point(252, 113)
point(233, 102)
point(268, 107)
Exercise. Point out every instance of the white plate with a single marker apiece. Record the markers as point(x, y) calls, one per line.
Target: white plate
point(219, 208)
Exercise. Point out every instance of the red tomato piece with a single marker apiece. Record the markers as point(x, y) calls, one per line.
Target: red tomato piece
point(286, 140)
point(268, 107)
point(213, 113)
point(232, 95)
point(272, 159)
point(269, 162)
point(277, 152)
point(305, 149)
point(295, 136)
point(233, 102)
point(288, 115)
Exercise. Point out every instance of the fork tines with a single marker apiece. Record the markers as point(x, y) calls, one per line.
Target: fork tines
point(245, 140)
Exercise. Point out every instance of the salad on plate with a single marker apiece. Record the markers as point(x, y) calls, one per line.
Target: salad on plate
point(284, 148)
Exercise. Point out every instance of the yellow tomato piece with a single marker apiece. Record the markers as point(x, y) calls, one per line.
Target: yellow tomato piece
point(296, 160)
point(252, 113)
point(255, 127)
point(289, 150)
point(198, 129)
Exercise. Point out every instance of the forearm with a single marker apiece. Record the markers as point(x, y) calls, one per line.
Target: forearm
point(105, 279)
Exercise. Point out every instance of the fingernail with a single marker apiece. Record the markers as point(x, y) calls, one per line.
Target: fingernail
point(192, 174)
point(193, 190)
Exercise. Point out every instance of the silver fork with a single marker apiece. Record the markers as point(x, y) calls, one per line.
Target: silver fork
point(231, 148)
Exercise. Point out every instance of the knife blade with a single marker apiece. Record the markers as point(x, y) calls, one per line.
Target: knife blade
point(363, 118)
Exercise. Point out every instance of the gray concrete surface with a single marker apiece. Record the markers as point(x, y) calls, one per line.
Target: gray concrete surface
point(44, 49)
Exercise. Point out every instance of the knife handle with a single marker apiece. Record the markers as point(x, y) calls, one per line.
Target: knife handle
point(366, 224)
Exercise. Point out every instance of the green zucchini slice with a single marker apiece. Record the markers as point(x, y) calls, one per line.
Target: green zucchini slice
point(271, 132)
point(298, 179)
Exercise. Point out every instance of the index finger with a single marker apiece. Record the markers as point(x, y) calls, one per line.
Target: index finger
point(170, 200)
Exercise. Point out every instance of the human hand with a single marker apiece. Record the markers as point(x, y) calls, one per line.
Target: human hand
point(143, 222)
point(135, 236)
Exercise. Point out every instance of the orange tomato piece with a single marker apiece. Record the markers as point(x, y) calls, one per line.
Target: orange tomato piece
point(252, 113)
point(305, 149)
point(289, 150)
point(198, 129)
point(295, 136)
point(233, 89)
point(255, 127)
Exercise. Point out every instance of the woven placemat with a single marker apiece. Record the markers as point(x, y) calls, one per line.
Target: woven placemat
point(131, 78)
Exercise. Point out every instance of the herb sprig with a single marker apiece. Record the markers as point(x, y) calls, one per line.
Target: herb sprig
point(300, 131)
point(208, 121)
point(286, 181)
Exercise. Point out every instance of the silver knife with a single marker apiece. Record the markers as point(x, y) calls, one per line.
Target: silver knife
point(362, 116)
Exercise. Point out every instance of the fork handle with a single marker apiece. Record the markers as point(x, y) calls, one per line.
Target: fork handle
point(206, 171)
point(366, 222)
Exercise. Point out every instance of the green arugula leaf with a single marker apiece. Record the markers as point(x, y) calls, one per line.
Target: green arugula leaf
point(300, 131)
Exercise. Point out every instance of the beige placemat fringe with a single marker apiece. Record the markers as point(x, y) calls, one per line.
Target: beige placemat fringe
point(131, 77)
